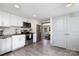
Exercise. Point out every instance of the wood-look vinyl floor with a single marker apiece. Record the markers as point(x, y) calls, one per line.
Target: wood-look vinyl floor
point(42, 48)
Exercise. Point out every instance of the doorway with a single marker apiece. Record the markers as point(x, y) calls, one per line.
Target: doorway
point(46, 31)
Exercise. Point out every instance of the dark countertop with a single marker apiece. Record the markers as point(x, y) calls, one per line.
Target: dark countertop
point(6, 36)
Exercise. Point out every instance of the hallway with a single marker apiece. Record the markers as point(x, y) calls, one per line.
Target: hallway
point(42, 48)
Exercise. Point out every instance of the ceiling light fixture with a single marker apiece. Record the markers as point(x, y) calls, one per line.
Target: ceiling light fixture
point(68, 4)
point(16, 6)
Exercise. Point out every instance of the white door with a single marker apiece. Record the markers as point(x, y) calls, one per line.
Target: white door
point(73, 38)
point(59, 32)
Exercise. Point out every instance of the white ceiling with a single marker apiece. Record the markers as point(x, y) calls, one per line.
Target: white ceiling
point(41, 10)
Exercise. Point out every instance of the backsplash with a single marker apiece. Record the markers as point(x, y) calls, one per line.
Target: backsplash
point(12, 30)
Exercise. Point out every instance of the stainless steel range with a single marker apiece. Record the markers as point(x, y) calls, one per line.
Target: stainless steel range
point(28, 37)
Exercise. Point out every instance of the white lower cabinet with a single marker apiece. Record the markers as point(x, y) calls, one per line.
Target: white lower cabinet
point(2, 46)
point(8, 44)
point(18, 41)
point(11, 43)
point(5, 45)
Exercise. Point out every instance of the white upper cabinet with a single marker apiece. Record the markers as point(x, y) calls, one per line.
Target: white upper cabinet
point(16, 20)
point(0, 18)
point(24, 20)
point(7, 19)
point(19, 23)
point(4, 19)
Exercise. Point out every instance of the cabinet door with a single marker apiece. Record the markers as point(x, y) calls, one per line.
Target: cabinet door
point(59, 31)
point(15, 42)
point(5, 19)
point(14, 20)
point(24, 20)
point(22, 40)
point(18, 41)
point(5, 45)
point(8, 43)
point(0, 18)
point(19, 22)
point(2, 46)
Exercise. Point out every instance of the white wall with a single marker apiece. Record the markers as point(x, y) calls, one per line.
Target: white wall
point(51, 32)
point(65, 31)
point(34, 22)
point(7, 19)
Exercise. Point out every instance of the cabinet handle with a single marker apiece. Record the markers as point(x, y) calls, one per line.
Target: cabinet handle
point(66, 34)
